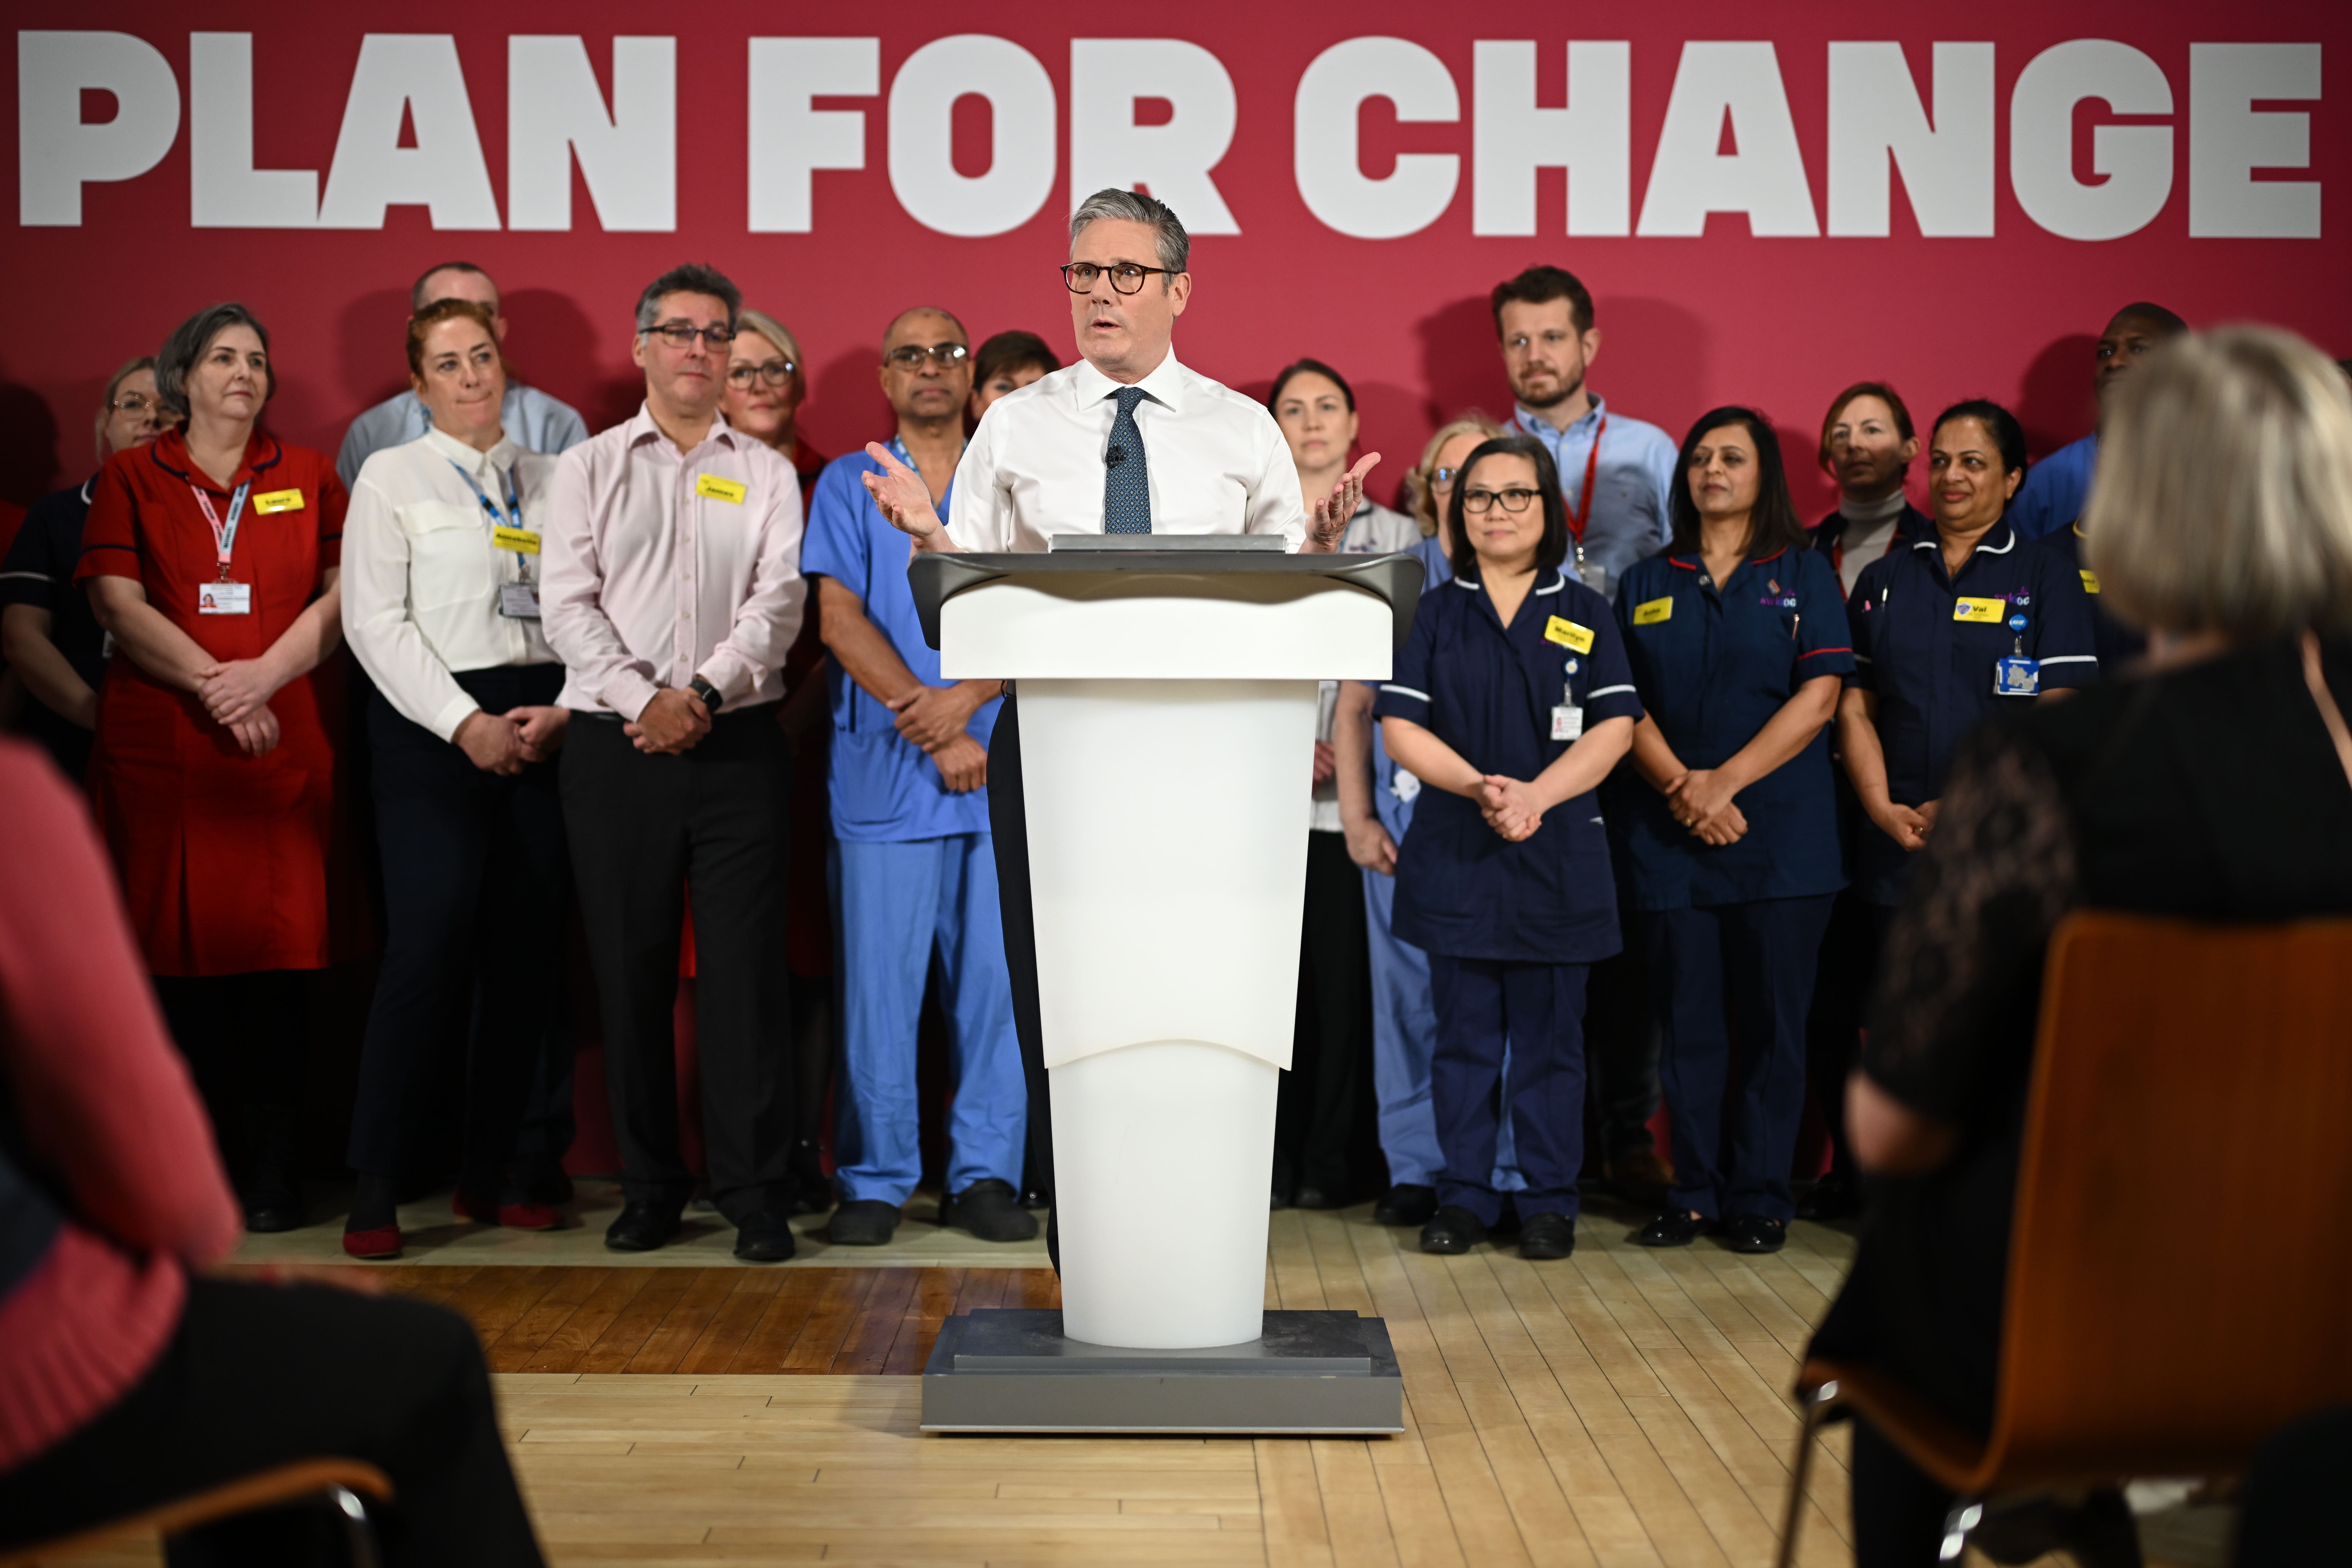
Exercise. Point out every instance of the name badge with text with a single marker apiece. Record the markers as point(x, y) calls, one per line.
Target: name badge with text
point(713, 488)
point(1568, 634)
point(278, 500)
point(522, 540)
point(2090, 581)
point(1650, 612)
point(225, 598)
point(1989, 611)
point(519, 600)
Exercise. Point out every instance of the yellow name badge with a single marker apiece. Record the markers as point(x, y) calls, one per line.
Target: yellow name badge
point(2090, 581)
point(1650, 612)
point(729, 491)
point(520, 540)
point(1993, 611)
point(278, 500)
point(1568, 634)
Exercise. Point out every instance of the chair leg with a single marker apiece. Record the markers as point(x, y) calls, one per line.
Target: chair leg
point(359, 1531)
point(1965, 1516)
point(1817, 1404)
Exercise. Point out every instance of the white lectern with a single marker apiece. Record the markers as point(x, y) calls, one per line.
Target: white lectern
point(1167, 690)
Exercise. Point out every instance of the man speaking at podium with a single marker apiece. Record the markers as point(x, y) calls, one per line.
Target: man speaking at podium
point(1127, 441)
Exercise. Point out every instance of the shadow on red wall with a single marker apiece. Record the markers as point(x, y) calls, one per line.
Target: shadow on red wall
point(28, 443)
point(2057, 400)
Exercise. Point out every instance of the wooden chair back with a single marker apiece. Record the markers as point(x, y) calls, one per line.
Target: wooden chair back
point(267, 1488)
point(2180, 1266)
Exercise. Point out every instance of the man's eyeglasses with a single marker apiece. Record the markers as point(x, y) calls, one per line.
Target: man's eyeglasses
point(1126, 277)
point(136, 403)
point(679, 335)
point(910, 356)
point(775, 372)
point(1513, 499)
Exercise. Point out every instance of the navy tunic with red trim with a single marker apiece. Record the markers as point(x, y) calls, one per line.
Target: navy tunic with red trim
point(1714, 664)
point(1931, 663)
point(1462, 891)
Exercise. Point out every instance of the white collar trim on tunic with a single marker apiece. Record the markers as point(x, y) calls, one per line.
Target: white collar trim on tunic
point(1165, 386)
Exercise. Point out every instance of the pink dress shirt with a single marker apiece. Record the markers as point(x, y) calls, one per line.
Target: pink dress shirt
point(651, 574)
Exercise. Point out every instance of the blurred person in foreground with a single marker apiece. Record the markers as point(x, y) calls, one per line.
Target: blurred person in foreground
point(2215, 785)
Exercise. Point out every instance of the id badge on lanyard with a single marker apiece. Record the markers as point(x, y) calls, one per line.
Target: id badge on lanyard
point(1568, 719)
point(2017, 676)
point(222, 596)
point(518, 600)
point(1580, 511)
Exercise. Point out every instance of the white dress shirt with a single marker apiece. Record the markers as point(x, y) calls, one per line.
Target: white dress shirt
point(533, 420)
point(1217, 461)
point(654, 575)
point(421, 573)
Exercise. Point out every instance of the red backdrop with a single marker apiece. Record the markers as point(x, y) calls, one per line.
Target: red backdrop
point(1689, 322)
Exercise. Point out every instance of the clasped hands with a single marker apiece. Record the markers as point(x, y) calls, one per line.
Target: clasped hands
point(672, 723)
point(934, 718)
point(1701, 800)
point(507, 743)
point(236, 693)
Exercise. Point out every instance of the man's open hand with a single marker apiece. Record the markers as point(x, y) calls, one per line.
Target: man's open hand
point(1328, 517)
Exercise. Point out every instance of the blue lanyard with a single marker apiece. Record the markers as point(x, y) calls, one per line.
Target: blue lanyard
point(513, 517)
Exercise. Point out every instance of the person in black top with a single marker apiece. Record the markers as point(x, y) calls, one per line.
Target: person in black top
point(2214, 784)
point(47, 634)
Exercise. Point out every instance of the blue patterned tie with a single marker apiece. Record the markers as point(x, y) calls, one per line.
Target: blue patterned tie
point(1127, 488)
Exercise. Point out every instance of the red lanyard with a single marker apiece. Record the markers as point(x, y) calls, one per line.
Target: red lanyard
point(1579, 516)
point(224, 533)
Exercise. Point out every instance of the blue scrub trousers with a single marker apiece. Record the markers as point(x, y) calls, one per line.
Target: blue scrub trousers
point(1537, 1009)
point(889, 896)
point(1747, 967)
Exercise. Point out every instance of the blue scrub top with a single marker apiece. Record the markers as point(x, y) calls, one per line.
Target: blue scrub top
point(1394, 810)
point(884, 789)
point(1462, 890)
point(1713, 666)
point(2116, 643)
point(1933, 672)
point(2055, 490)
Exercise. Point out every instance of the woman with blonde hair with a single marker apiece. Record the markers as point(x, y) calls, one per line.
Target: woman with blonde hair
point(1375, 808)
point(2217, 785)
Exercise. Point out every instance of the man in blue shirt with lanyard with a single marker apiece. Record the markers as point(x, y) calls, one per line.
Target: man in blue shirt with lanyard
point(1617, 475)
point(913, 854)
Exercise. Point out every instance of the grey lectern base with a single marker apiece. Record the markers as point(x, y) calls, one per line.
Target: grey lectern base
point(1310, 1374)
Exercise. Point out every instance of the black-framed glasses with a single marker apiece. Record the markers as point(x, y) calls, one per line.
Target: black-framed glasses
point(679, 335)
point(910, 356)
point(1126, 277)
point(1513, 499)
point(775, 372)
point(136, 403)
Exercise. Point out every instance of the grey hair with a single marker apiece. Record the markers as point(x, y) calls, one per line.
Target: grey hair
point(189, 343)
point(1133, 206)
point(693, 277)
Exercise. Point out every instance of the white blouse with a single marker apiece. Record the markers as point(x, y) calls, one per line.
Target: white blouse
point(422, 572)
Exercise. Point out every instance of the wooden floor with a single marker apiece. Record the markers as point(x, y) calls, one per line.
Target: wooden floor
point(1624, 1407)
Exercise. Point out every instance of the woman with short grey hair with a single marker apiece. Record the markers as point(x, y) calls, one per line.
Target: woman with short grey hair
point(2215, 785)
point(212, 555)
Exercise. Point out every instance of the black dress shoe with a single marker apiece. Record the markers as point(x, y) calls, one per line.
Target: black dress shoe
point(1037, 1200)
point(1754, 1233)
point(765, 1237)
point(1831, 1198)
point(274, 1203)
point(863, 1222)
point(1452, 1230)
point(1545, 1237)
point(642, 1226)
point(1318, 1198)
point(1407, 1203)
point(990, 1210)
point(1675, 1227)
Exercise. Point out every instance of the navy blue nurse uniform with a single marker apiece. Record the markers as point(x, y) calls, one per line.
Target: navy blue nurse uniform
point(1510, 928)
point(1713, 663)
point(2116, 643)
point(1928, 643)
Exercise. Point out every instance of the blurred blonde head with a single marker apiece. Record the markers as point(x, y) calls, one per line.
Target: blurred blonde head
point(1417, 480)
point(2224, 493)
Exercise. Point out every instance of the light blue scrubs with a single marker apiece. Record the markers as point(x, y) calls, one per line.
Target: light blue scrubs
point(1404, 1019)
point(910, 858)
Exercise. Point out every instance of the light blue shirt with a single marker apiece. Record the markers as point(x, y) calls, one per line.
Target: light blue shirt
point(1631, 516)
point(884, 788)
point(532, 420)
point(2055, 490)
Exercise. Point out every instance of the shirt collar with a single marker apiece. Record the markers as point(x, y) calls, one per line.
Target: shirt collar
point(641, 428)
point(1998, 539)
point(500, 457)
point(1165, 386)
point(1530, 421)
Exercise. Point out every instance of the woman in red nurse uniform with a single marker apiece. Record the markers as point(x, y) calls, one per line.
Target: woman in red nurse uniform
point(211, 557)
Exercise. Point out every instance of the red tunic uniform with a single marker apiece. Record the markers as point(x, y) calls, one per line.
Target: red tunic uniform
point(224, 857)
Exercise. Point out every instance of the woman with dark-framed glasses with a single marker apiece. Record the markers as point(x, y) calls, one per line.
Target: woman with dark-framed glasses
point(1511, 701)
point(47, 634)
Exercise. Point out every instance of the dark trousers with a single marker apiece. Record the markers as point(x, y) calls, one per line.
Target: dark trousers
point(1324, 1120)
point(259, 1375)
point(247, 1041)
point(644, 829)
point(1747, 967)
point(1008, 827)
point(1537, 1009)
point(1621, 1032)
point(475, 881)
point(1842, 979)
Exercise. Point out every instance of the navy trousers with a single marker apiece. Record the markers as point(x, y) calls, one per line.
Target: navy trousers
point(1538, 1008)
point(1747, 967)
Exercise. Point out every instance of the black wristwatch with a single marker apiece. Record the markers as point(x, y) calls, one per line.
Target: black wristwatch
point(708, 693)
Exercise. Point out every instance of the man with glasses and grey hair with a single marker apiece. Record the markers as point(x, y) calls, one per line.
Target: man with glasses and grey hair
point(1127, 441)
point(532, 419)
point(672, 592)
